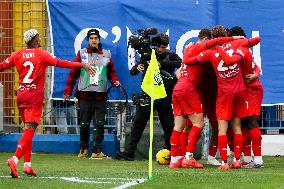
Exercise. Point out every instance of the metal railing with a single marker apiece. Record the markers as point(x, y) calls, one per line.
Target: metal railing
point(272, 117)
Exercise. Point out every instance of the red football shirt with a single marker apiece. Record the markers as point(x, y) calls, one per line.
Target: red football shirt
point(229, 77)
point(31, 66)
point(248, 66)
point(191, 76)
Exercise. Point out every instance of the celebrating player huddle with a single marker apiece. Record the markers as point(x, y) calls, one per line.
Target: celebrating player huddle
point(236, 95)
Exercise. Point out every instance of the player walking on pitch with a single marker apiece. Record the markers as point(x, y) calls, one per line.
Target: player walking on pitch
point(31, 64)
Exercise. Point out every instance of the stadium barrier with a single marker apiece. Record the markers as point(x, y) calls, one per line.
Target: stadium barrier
point(1, 107)
point(63, 143)
point(271, 119)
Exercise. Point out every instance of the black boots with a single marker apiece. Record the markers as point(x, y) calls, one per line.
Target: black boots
point(129, 156)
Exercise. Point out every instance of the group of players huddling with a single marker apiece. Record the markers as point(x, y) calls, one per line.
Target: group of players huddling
point(218, 78)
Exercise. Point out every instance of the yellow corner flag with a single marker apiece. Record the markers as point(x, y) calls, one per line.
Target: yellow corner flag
point(153, 85)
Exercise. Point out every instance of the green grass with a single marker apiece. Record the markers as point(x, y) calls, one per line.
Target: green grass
point(58, 165)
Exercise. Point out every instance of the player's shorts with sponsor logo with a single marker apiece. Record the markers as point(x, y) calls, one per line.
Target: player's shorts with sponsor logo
point(255, 96)
point(232, 106)
point(31, 114)
point(186, 103)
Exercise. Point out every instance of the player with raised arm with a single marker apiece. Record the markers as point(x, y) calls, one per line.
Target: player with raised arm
point(31, 64)
point(231, 100)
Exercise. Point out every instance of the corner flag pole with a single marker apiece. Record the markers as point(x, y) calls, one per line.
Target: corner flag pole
point(153, 85)
point(150, 176)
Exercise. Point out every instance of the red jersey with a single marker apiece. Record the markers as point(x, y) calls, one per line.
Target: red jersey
point(31, 66)
point(229, 78)
point(246, 42)
point(249, 67)
point(191, 76)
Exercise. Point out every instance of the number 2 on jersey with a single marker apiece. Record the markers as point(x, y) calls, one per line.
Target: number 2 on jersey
point(26, 78)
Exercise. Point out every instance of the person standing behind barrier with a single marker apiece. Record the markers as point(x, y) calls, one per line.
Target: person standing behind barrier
point(168, 61)
point(92, 98)
point(31, 64)
point(66, 116)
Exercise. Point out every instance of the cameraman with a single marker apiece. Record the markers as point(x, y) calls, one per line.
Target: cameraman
point(168, 61)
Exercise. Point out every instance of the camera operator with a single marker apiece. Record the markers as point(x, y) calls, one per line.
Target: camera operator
point(168, 61)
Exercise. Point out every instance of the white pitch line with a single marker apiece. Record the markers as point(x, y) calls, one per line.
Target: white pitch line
point(93, 180)
point(111, 178)
point(126, 185)
point(74, 179)
point(86, 178)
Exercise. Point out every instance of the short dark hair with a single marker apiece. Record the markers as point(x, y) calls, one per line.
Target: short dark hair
point(219, 31)
point(205, 33)
point(163, 39)
point(237, 31)
point(93, 32)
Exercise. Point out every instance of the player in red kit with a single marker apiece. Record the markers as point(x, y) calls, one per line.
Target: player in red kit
point(250, 128)
point(187, 103)
point(231, 100)
point(31, 64)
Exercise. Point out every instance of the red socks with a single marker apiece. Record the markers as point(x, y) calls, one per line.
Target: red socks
point(222, 144)
point(246, 142)
point(193, 139)
point(183, 141)
point(25, 143)
point(28, 153)
point(256, 141)
point(20, 150)
point(175, 143)
point(238, 141)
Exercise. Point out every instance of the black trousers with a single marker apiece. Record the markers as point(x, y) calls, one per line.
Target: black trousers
point(96, 111)
point(166, 117)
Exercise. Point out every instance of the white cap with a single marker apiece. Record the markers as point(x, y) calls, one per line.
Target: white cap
point(29, 35)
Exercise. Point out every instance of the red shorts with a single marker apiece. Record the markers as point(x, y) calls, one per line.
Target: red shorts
point(255, 96)
point(186, 103)
point(232, 106)
point(30, 114)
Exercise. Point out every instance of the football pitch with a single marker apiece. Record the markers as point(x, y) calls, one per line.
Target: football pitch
point(67, 171)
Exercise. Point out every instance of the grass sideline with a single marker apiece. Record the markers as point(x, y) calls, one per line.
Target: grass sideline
point(67, 171)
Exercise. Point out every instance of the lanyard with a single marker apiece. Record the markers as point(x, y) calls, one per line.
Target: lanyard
point(96, 61)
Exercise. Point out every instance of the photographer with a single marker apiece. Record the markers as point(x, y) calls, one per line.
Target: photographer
point(168, 61)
